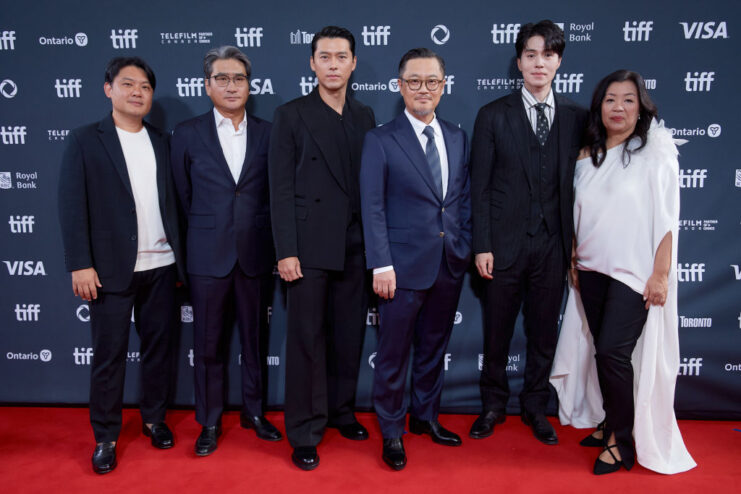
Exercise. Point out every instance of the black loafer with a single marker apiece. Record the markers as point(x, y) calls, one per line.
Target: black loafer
point(394, 454)
point(354, 431)
point(542, 429)
point(483, 426)
point(437, 432)
point(264, 429)
point(305, 457)
point(104, 457)
point(161, 435)
point(207, 441)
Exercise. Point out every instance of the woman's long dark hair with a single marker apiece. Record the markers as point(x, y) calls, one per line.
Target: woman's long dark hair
point(595, 136)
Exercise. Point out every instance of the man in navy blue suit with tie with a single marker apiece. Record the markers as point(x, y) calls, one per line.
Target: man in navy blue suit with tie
point(219, 162)
point(414, 185)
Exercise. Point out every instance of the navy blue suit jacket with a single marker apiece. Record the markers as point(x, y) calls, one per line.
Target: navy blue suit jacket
point(406, 222)
point(228, 222)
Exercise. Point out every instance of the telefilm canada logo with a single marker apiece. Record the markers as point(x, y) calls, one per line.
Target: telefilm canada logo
point(698, 225)
point(499, 83)
point(57, 134)
point(186, 38)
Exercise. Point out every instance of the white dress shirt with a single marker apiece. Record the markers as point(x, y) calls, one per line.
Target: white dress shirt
point(233, 142)
point(532, 114)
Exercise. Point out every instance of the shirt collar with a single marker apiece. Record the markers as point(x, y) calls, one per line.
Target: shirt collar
point(530, 100)
point(419, 126)
point(220, 119)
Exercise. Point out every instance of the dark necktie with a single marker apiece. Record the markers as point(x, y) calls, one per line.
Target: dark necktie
point(433, 158)
point(541, 126)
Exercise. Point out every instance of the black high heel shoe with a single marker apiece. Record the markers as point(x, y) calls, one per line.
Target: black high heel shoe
point(601, 467)
point(592, 442)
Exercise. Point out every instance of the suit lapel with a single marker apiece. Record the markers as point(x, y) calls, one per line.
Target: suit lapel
point(521, 130)
point(207, 131)
point(409, 143)
point(255, 135)
point(315, 117)
point(453, 145)
point(565, 117)
point(112, 144)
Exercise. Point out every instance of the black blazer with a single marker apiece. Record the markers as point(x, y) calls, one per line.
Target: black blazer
point(227, 221)
point(500, 176)
point(309, 199)
point(96, 206)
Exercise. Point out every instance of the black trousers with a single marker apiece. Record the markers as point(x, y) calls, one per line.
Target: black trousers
point(325, 329)
point(423, 318)
point(616, 315)
point(214, 300)
point(534, 282)
point(151, 294)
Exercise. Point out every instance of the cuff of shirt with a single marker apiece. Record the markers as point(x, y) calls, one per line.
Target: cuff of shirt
point(382, 270)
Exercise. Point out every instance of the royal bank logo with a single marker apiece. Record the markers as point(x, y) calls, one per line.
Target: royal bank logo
point(13, 135)
point(695, 322)
point(21, 224)
point(376, 35)
point(23, 180)
point(308, 84)
point(578, 33)
point(68, 88)
point(25, 268)
point(692, 179)
point(504, 33)
point(499, 84)
point(83, 356)
point(698, 81)
point(79, 39)
point(704, 30)
point(186, 38)
point(690, 366)
point(8, 88)
point(568, 83)
point(186, 313)
point(7, 40)
point(637, 30)
point(299, 37)
point(248, 37)
point(189, 87)
point(83, 313)
point(124, 38)
point(738, 177)
point(6, 180)
point(698, 225)
point(440, 34)
point(690, 272)
point(27, 312)
point(57, 134)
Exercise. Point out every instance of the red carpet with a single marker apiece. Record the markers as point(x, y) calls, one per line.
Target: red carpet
point(48, 450)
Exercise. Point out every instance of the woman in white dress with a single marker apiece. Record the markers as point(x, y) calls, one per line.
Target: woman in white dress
point(626, 212)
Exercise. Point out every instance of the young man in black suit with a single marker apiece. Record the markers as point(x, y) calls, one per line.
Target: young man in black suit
point(314, 164)
point(118, 214)
point(522, 163)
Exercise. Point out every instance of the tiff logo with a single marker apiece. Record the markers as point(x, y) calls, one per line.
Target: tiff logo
point(83, 356)
point(124, 38)
point(307, 84)
point(693, 179)
point(704, 30)
point(690, 272)
point(447, 359)
point(736, 271)
point(189, 87)
point(248, 36)
point(27, 312)
point(7, 40)
point(21, 224)
point(690, 366)
point(13, 135)
point(191, 356)
point(376, 35)
point(504, 33)
point(698, 81)
point(637, 30)
point(568, 83)
point(68, 88)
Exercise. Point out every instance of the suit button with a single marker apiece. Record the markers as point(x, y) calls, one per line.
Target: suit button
point(133, 237)
point(442, 234)
point(443, 210)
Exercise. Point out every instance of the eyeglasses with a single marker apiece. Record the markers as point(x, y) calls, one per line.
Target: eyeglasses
point(416, 84)
point(222, 80)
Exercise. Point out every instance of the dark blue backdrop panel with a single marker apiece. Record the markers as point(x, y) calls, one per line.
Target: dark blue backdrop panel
point(51, 75)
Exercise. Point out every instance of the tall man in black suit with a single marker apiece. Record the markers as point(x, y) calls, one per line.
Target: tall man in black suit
point(220, 165)
point(415, 187)
point(522, 161)
point(118, 213)
point(314, 164)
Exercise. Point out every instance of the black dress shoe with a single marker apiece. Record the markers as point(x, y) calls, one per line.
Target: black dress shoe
point(602, 467)
point(160, 434)
point(483, 426)
point(592, 442)
point(437, 432)
point(542, 429)
point(264, 429)
point(104, 457)
point(305, 457)
point(354, 431)
point(206, 442)
point(393, 453)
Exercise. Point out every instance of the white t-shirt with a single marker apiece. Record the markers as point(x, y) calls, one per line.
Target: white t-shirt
point(153, 250)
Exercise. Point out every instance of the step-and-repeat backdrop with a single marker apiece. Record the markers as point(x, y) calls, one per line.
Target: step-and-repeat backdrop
point(52, 57)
